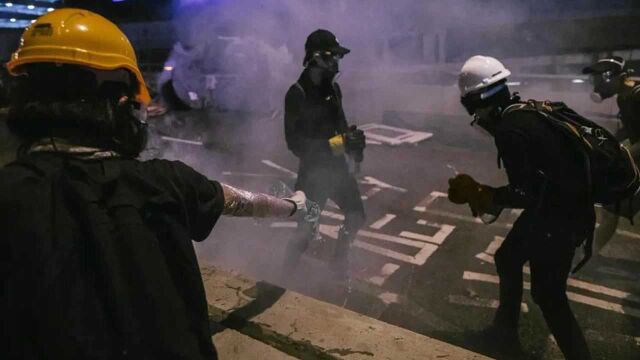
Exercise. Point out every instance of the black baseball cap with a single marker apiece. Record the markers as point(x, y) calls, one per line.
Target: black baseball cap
point(614, 64)
point(323, 40)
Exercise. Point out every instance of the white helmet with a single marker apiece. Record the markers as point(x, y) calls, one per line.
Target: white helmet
point(480, 72)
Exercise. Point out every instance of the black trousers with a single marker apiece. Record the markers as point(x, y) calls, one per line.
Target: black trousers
point(548, 245)
point(320, 183)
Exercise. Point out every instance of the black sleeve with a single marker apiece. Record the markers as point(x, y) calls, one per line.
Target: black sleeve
point(202, 199)
point(297, 142)
point(342, 119)
point(514, 145)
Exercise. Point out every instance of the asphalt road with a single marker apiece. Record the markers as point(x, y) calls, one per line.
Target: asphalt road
point(420, 262)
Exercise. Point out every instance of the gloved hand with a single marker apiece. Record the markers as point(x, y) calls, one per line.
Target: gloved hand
point(299, 199)
point(463, 189)
point(355, 140)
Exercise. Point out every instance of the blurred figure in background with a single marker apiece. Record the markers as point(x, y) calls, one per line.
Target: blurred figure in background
point(610, 78)
point(317, 132)
point(96, 253)
point(546, 179)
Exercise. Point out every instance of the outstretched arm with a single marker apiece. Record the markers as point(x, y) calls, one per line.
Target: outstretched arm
point(244, 203)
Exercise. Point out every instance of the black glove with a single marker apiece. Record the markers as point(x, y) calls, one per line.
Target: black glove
point(355, 141)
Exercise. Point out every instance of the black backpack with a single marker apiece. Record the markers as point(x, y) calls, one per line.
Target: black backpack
point(611, 172)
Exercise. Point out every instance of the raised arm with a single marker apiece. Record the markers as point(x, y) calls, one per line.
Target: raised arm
point(242, 203)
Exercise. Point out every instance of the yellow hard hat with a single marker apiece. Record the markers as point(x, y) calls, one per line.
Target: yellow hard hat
point(77, 37)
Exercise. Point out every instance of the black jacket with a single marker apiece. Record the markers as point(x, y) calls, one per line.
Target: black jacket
point(546, 171)
point(629, 105)
point(97, 261)
point(313, 115)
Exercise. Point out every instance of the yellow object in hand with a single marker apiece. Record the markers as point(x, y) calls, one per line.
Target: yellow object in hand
point(336, 144)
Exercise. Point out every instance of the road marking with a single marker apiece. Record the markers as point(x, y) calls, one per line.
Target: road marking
point(465, 218)
point(603, 290)
point(369, 180)
point(582, 299)
point(387, 270)
point(379, 224)
point(422, 222)
point(490, 259)
point(419, 259)
point(284, 224)
point(389, 298)
point(283, 169)
point(384, 252)
point(426, 202)
point(182, 141)
point(391, 238)
point(480, 302)
point(628, 234)
point(369, 194)
point(426, 250)
point(405, 136)
point(494, 245)
point(229, 173)
point(332, 215)
point(438, 238)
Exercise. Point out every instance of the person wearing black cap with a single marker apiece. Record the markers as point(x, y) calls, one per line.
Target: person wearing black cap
point(610, 78)
point(318, 134)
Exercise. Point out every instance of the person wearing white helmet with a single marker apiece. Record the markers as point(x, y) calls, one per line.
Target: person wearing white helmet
point(555, 219)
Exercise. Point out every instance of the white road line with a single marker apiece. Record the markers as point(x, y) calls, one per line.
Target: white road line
point(389, 298)
point(332, 215)
point(391, 238)
point(369, 194)
point(486, 258)
point(284, 224)
point(229, 173)
point(379, 224)
point(481, 302)
point(387, 270)
point(422, 222)
point(369, 180)
point(599, 289)
point(426, 202)
point(465, 218)
point(384, 252)
point(419, 259)
point(490, 259)
point(437, 238)
point(182, 141)
point(603, 290)
point(494, 245)
point(579, 298)
point(628, 234)
point(283, 169)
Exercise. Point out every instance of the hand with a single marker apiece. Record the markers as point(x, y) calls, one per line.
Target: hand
point(463, 189)
point(299, 199)
point(355, 140)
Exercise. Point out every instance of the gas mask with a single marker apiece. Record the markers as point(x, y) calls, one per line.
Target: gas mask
point(325, 66)
point(605, 85)
point(484, 120)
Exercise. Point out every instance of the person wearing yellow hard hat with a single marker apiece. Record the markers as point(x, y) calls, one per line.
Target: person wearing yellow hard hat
point(96, 254)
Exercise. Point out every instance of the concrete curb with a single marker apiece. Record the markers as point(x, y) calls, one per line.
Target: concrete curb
point(257, 320)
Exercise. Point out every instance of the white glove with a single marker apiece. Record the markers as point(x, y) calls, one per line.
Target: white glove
point(299, 199)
